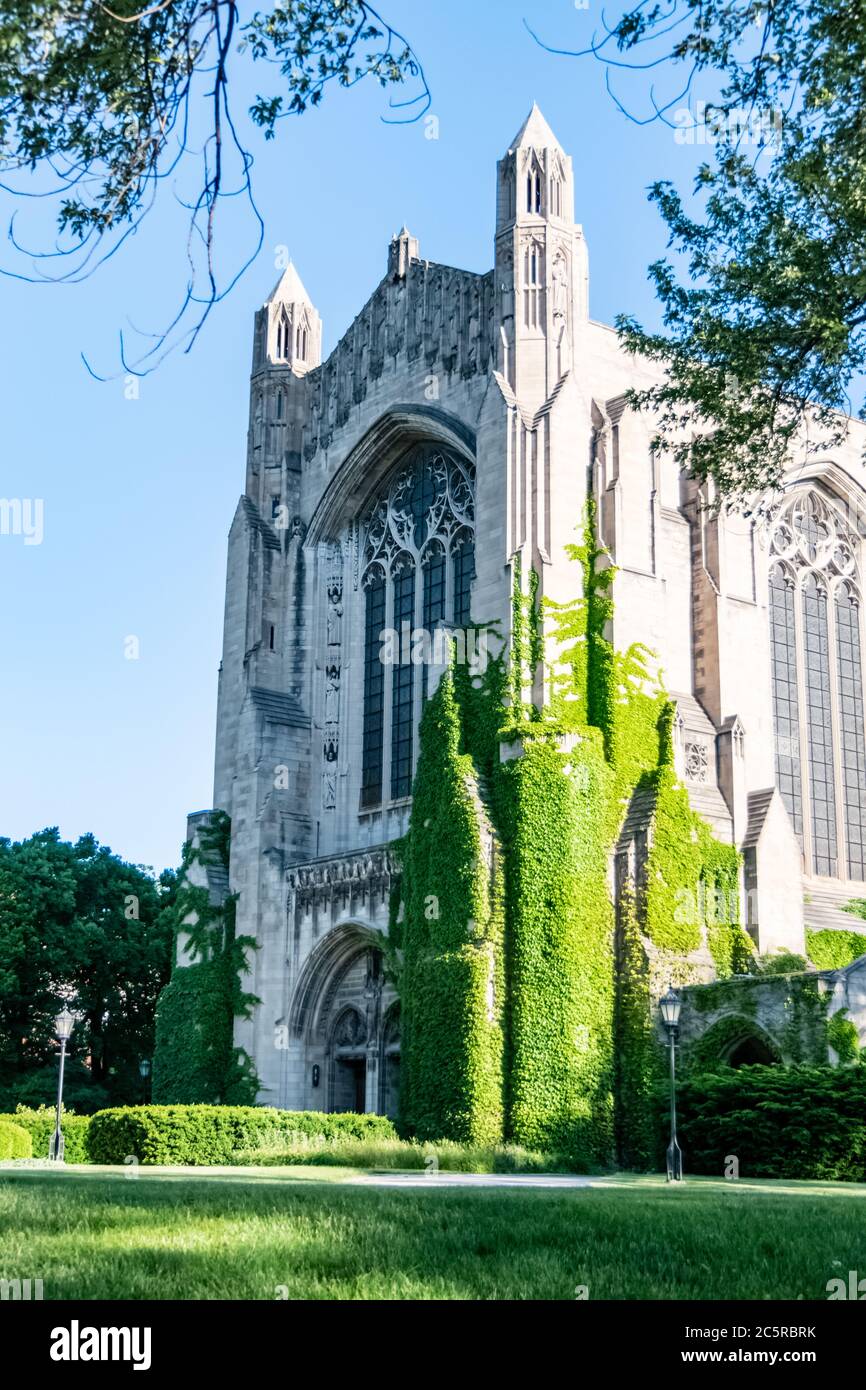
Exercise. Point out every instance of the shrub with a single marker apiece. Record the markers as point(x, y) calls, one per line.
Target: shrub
point(780, 1122)
point(203, 1135)
point(14, 1141)
point(39, 1124)
point(400, 1154)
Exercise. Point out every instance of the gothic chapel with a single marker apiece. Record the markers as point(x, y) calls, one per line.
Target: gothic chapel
point(460, 423)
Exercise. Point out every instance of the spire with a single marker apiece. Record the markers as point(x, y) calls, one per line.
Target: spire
point(289, 289)
point(289, 330)
point(535, 132)
point(403, 249)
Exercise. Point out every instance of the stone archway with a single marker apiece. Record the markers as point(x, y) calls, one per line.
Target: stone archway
point(338, 1014)
point(751, 1050)
point(736, 1041)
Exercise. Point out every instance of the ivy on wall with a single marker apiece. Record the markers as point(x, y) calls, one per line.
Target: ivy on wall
point(195, 1060)
point(451, 977)
point(566, 1056)
point(833, 950)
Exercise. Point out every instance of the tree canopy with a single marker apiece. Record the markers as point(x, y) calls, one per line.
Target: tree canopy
point(78, 924)
point(101, 104)
point(764, 302)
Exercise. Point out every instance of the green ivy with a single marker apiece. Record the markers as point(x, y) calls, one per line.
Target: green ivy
point(833, 950)
point(452, 994)
point(565, 1057)
point(195, 1060)
point(843, 1037)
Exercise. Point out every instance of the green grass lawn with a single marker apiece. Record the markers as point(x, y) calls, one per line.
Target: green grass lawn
point(328, 1234)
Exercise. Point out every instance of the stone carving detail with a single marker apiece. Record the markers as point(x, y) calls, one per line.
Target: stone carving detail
point(697, 762)
point(447, 313)
point(350, 1030)
point(333, 671)
point(560, 289)
point(350, 879)
point(808, 533)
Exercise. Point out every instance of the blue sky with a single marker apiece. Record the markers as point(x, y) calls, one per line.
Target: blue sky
point(139, 494)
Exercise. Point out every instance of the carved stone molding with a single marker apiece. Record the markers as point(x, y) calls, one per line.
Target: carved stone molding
point(343, 878)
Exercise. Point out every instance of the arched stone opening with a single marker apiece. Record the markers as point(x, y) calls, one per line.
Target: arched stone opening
point(344, 1013)
point(734, 1041)
point(751, 1051)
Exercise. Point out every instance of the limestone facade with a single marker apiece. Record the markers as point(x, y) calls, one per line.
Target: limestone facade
point(461, 421)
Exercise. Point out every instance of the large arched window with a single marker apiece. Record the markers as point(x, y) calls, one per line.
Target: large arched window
point(817, 674)
point(418, 561)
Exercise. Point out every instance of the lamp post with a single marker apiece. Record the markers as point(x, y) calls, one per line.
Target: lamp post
point(670, 1005)
point(144, 1073)
point(63, 1026)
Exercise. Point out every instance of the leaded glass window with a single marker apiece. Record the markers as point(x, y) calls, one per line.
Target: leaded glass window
point(851, 715)
point(402, 727)
point(464, 573)
point(433, 615)
point(817, 674)
point(416, 553)
point(783, 658)
point(818, 716)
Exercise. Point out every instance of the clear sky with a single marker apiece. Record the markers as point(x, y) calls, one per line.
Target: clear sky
point(139, 493)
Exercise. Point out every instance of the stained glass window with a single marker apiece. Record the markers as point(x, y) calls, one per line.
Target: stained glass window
point(433, 612)
point(464, 573)
point(419, 526)
point(817, 674)
point(402, 727)
point(818, 716)
point(783, 658)
point(374, 691)
point(853, 741)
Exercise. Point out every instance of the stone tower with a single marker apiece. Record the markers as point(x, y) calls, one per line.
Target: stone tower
point(448, 443)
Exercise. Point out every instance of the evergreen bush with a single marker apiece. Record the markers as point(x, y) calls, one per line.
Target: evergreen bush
point(202, 1135)
point(779, 1122)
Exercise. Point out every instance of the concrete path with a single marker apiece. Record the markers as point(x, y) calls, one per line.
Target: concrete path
point(440, 1179)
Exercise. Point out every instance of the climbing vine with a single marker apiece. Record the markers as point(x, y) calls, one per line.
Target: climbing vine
point(452, 995)
point(561, 1051)
point(195, 1060)
point(833, 950)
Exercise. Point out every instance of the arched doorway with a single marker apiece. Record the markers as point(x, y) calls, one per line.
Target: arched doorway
point(343, 1014)
point(734, 1040)
point(348, 1088)
point(750, 1051)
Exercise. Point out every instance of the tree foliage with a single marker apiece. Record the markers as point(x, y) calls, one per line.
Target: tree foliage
point(78, 924)
point(102, 103)
point(764, 302)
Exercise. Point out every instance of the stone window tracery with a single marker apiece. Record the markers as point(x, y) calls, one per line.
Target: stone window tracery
point(416, 543)
point(817, 679)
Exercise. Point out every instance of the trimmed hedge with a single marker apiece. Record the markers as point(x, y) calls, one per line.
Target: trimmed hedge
point(202, 1135)
point(779, 1122)
point(14, 1141)
point(39, 1124)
